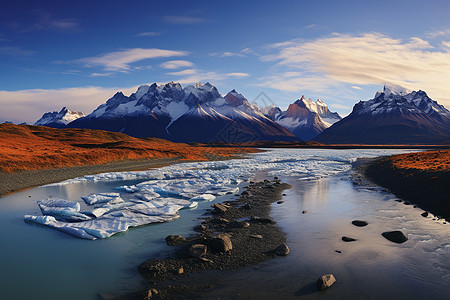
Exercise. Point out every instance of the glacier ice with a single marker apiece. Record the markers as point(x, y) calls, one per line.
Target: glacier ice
point(164, 192)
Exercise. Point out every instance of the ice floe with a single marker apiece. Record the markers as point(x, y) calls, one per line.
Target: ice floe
point(164, 192)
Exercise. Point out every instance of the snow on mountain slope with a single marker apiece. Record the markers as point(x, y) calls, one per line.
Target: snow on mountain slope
point(305, 118)
point(162, 108)
point(59, 119)
point(394, 116)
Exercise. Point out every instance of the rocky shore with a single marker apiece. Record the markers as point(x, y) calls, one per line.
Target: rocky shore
point(422, 179)
point(234, 234)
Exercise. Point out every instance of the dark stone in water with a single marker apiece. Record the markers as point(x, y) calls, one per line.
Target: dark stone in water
point(338, 251)
point(360, 223)
point(282, 250)
point(173, 240)
point(279, 202)
point(348, 239)
point(304, 212)
point(424, 214)
point(395, 236)
point(284, 194)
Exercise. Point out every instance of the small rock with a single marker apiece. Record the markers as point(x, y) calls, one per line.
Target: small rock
point(151, 294)
point(173, 240)
point(407, 203)
point(325, 281)
point(221, 243)
point(360, 223)
point(304, 212)
point(256, 236)
point(220, 208)
point(284, 194)
point(197, 250)
point(282, 250)
point(245, 193)
point(395, 236)
point(338, 251)
point(205, 259)
point(279, 202)
point(180, 271)
point(424, 214)
point(348, 239)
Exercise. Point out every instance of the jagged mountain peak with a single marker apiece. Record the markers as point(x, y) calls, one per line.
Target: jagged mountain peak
point(59, 119)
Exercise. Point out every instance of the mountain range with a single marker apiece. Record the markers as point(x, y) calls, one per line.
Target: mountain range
point(394, 116)
point(198, 113)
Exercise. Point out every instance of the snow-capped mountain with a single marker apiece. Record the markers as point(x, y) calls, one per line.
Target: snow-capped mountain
point(196, 113)
point(305, 118)
point(394, 116)
point(59, 119)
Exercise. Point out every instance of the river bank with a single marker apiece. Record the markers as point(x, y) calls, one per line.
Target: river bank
point(420, 178)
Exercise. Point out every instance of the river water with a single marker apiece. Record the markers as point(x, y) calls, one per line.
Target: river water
point(41, 263)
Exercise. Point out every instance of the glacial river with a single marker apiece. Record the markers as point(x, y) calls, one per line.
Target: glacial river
point(39, 262)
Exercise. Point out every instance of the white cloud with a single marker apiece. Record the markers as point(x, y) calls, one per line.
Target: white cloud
point(121, 60)
point(176, 64)
point(238, 74)
point(370, 58)
point(438, 33)
point(30, 105)
point(228, 54)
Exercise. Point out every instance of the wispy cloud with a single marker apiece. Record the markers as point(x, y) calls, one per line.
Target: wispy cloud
point(227, 54)
point(238, 74)
point(121, 60)
point(438, 33)
point(183, 20)
point(15, 51)
point(42, 19)
point(310, 26)
point(356, 87)
point(149, 33)
point(371, 58)
point(176, 64)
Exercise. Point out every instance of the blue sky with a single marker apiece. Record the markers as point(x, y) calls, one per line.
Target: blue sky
point(79, 53)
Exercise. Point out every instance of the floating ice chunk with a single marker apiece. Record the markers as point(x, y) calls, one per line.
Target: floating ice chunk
point(204, 197)
point(128, 188)
point(101, 198)
point(62, 210)
point(192, 205)
point(109, 207)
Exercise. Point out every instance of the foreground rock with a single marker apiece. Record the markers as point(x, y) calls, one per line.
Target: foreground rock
point(395, 236)
point(325, 281)
point(348, 239)
point(197, 250)
point(173, 240)
point(360, 223)
point(282, 250)
point(221, 243)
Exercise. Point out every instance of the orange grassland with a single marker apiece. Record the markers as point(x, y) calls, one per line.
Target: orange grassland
point(431, 161)
point(26, 147)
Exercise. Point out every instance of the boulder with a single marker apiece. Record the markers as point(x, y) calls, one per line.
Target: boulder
point(282, 250)
point(348, 239)
point(200, 228)
point(360, 223)
point(180, 271)
point(221, 243)
point(173, 240)
point(279, 202)
point(424, 214)
point(197, 250)
point(220, 221)
point(325, 281)
point(151, 294)
point(395, 236)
